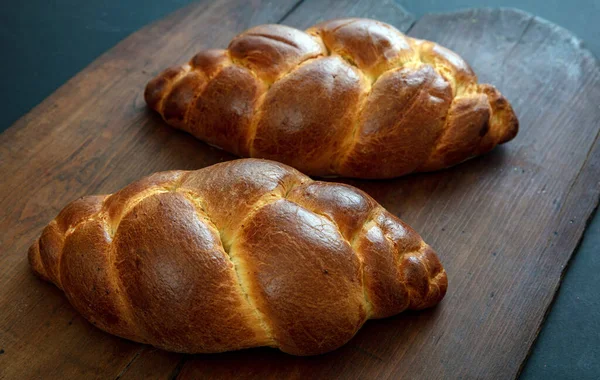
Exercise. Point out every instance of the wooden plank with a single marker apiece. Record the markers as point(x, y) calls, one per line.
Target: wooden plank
point(153, 363)
point(504, 224)
point(311, 12)
point(94, 135)
point(518, 235)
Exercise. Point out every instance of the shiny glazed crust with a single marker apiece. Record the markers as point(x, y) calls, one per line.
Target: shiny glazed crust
point(241, 254)
point(351, 97)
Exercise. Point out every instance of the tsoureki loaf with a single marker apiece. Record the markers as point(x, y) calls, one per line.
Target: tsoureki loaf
point(240, 254)
point(351, 97)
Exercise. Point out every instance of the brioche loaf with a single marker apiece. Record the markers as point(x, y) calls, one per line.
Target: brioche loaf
point(240, 254)
point(350, 97)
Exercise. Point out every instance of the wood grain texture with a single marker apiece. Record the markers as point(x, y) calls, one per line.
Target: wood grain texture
point(522, 232)
point(504, 224)
point(311, 12)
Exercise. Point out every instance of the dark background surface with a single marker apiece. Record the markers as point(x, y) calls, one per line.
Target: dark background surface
point(44, 43)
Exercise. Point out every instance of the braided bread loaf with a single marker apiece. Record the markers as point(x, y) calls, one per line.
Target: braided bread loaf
point(240, 254)
point(351, 97)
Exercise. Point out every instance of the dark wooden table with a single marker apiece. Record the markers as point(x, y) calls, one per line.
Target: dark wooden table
point(504, 224)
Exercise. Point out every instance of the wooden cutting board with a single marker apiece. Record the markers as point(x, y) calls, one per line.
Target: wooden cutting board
point(505, 224)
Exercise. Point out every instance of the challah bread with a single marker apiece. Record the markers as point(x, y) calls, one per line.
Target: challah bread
point(240, 254)
point(351, 97)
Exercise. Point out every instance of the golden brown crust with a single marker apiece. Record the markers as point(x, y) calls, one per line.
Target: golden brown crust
point(306, 278)
point(467, 122)
point(374, 47)
point(347, 206)
point(89, 280)
point(350, 97)
point(271, 51)
point(179, 281)
point(305, 126)
point(223, 112)
point(240, 254)
point(391, 139)
point(449, 64)
point(210, 62)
